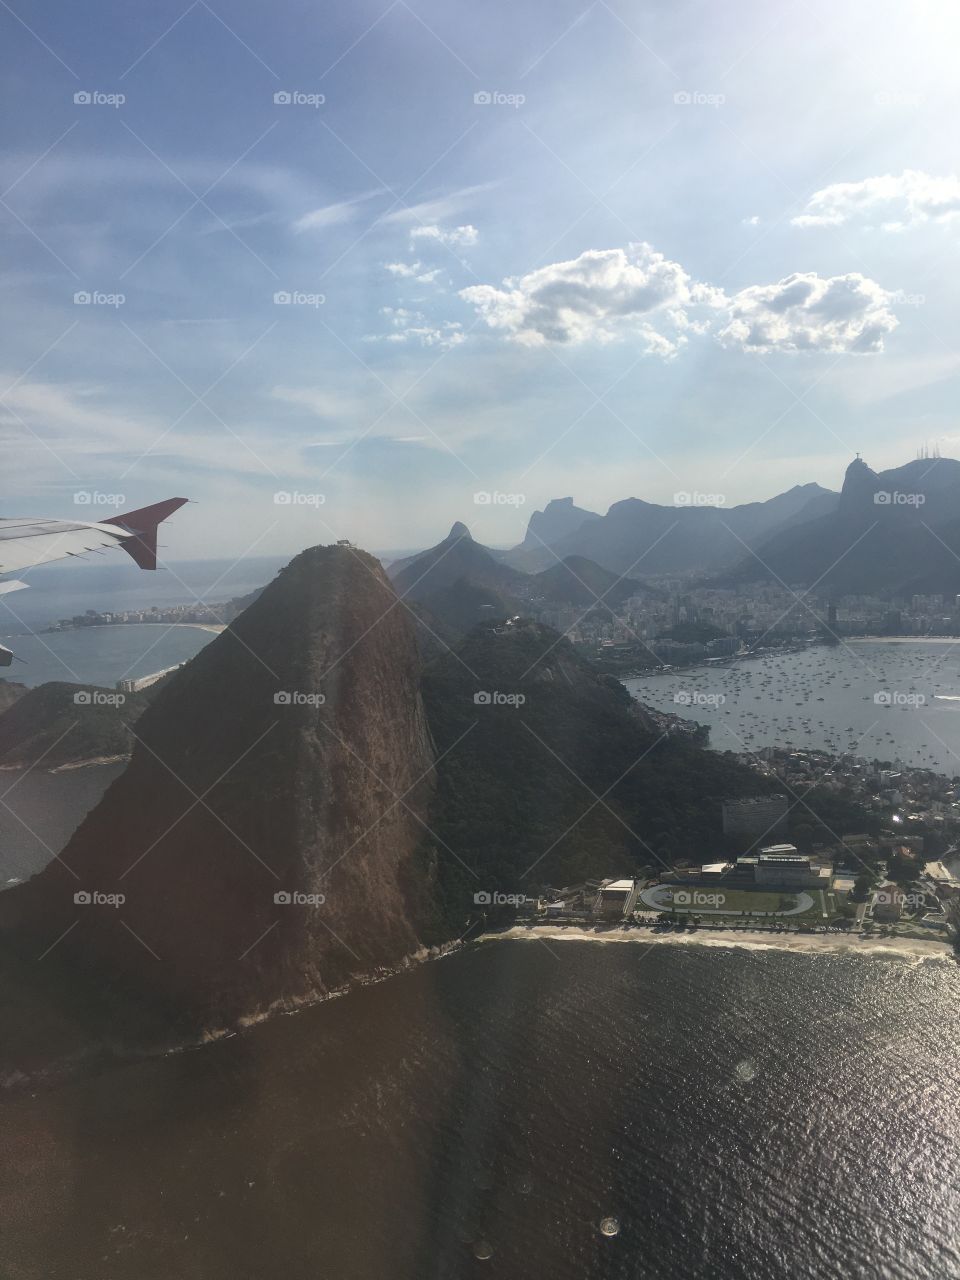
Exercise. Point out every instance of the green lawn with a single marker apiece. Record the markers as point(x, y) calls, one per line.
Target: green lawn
point(736, 901)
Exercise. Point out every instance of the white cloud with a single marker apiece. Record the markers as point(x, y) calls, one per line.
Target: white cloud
point(892, 202)
point(413, 326)
point(599, 296)
point(638, 294)
point(437, 210)
point(412, 271)
point(332, 215)
point(806, 312)
point(451, 238)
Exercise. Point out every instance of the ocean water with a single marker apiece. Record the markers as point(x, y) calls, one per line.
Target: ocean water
point(112, 581)
point(826, 698)
point(102, 655)
point(39, 812)
point(742, 1115)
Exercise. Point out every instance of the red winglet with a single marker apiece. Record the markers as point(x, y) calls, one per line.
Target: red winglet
point(143, 524)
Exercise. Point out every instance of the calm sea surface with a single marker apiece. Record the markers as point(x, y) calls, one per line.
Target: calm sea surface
point(825, 698)
point(102, 655)
point(39, 812)
point(744, 1115)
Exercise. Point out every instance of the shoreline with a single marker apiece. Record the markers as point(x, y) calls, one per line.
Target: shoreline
point(751, 940)
point(215, 627)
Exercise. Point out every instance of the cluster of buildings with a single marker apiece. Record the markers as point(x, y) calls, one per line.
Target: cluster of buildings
point(638, 632)
point(891, 876)
point(210, 615)
point(778, 867)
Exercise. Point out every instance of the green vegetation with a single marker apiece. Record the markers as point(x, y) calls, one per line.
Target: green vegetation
point(745, 902)
point(574, 783)
point(50, 727)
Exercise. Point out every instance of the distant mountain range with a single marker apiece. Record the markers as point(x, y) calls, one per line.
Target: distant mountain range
point(892, 533)
point(458, 583)
point(637, 537)
point(889, 533)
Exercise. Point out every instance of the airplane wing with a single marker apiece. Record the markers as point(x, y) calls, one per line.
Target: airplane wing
point(25, 542)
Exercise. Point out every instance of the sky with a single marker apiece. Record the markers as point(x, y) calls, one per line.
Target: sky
point(364, 270)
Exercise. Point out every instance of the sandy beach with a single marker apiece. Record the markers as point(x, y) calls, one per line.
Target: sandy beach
point(811, 943)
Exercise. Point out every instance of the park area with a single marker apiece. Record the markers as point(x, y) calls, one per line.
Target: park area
point(814, 905)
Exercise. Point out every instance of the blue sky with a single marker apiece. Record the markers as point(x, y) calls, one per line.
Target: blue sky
point(667, 247)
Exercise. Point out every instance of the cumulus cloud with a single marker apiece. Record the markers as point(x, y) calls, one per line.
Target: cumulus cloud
point(639, 295)
point(892, 202)
point(413, 326)
point(806, 312)
point(598, 296)
point(450, 237)
point(412, 271)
